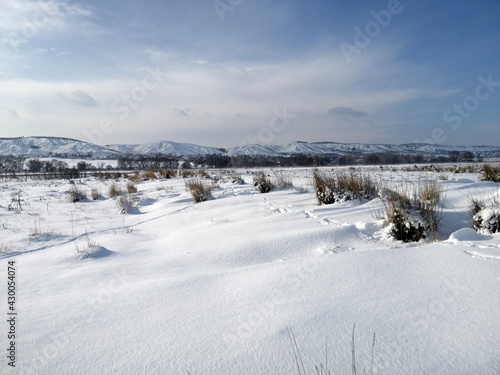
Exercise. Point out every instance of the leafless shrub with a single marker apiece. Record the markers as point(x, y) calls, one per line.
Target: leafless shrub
point(124, 204)
point(263, 183)
point(324, 187)
point(95, 194)
point(131, 188)
point(347, 186)
point(413, 216)
point(203, 173)
point(135, 177)
point(281, 181)
point(236, 179)
point(149, 174)
point(428, 198)
point(490, 173)
point(186, 173)
point(485, 218)
point(355, 186)
point(200, 191)
point(16, 203)
point(76, 195)
point(167, 173)
point(114, 190)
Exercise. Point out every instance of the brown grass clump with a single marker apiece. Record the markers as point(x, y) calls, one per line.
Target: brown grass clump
point(347, 186)
point(355, 186)
point(281, 181)
point(76, 195)
point(114, 190)
point(167, 173)
point(324, 187)
point(131, 188)
point(149, 174)
point(413, 216)
point(200, 191)
point(95, 194)
point(135, 177)
point(490, 173)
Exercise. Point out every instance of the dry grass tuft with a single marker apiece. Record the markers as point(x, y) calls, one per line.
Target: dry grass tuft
point(347, 186)
point(131, 188)
point(95, 194)
point(76, 195)
point(114, 190)
point(490, 173)
point(282, 182)
point(413, 216)
point(200, 191)
point(324, 187)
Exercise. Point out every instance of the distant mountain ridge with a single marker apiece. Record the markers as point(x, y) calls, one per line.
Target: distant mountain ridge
point(40, 146)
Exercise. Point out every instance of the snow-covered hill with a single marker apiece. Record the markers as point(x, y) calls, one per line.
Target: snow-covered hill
point(54, 146)
point(66, 147)
point(166, 147)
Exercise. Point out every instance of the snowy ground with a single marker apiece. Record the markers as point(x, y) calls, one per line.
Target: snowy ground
point(210, 288)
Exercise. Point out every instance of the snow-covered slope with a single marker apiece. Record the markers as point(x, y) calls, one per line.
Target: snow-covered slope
point(166, 147)
point(210, 288)
point(122, 149)
point(53, 146)
point(251, 150)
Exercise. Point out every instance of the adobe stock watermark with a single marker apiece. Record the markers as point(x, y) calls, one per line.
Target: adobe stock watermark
point(123, 106)
point(32, 26)
point(461, 111)
point(363, 37)
point(277, 124)
point(223, 6)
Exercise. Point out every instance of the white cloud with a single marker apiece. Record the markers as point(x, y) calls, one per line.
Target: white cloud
point(23, 20)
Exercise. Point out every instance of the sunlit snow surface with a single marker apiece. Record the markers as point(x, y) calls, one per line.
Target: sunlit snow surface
point(210, 288)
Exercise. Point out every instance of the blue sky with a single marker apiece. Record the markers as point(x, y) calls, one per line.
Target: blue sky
point(231, 72)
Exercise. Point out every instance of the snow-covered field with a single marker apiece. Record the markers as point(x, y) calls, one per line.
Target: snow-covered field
point(210, 288)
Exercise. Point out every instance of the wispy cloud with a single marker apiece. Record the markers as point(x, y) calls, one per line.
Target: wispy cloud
point(346, 112)
point(22, 20)
point(81, 98)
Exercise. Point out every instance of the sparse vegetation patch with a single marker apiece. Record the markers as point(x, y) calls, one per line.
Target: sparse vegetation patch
point(346, 186)
point(200, 191)
point(490, 173)
point(263, 183)
point(413, 216)
point(485, 218)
